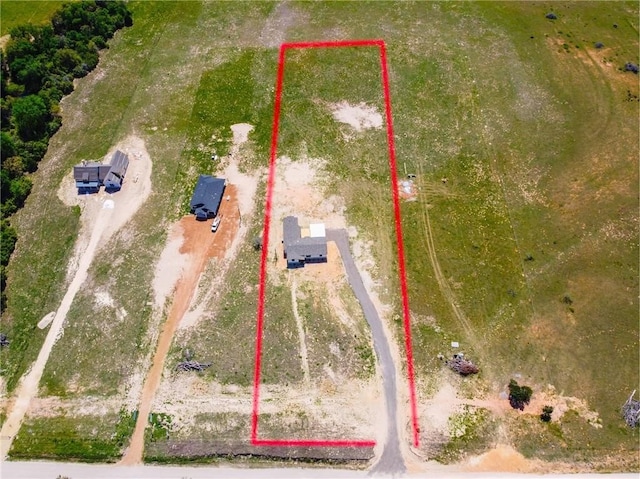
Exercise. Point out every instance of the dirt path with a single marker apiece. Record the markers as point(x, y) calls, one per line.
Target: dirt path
point(391, 461)
point(304, 356)
point(442, 281)
point(103, 215)
point(200, 245)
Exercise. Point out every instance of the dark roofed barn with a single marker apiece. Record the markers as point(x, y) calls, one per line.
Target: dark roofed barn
point(115, 177)
point(297, 250)
point(207, 197)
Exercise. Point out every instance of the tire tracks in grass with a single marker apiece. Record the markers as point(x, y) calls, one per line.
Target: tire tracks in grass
point(304, 356)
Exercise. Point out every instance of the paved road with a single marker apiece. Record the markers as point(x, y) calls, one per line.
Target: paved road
point(391, 461)
point(51, 470)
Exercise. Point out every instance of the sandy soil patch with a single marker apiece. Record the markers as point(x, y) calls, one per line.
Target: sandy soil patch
point(46, 321)
point(4, 39)
point(190, 392)
point(359, 117)
point(53, 406)
point(240, 133)
point(502, 458)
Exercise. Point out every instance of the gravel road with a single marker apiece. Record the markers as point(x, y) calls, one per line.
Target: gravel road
point(391, 461)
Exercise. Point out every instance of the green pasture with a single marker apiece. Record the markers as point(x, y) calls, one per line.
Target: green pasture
point(19, 12)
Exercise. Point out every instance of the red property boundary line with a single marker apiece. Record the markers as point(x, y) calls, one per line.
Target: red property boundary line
point(265, 248)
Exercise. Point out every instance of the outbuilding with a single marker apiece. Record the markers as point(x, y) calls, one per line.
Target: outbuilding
point(207, 197)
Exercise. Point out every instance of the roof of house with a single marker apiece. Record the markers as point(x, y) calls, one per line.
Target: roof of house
point(307, 248)
point(207, 195)
point(298, 248)
point(119, 165)
point(90, 172)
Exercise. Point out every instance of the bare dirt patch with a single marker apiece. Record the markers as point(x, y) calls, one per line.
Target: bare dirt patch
point(4, 39)
point(359, 117)
point(502, 458)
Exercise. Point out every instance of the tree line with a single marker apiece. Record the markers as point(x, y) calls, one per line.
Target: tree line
point(37, 69)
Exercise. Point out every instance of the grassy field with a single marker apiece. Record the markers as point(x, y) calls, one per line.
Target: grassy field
point(14, 13)
point(527, 254)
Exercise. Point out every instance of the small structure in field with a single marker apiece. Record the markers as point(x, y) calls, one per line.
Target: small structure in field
point(91, 175)
point(299, 250)
point(207, 197)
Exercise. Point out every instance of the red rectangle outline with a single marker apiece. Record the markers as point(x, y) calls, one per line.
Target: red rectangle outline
point(265, 248)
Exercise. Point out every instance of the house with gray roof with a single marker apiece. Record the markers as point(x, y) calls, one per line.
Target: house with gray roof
point(91, 175)
point(207, 197)
point(299, 250)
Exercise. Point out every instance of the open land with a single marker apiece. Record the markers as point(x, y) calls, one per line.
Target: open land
point(520, 229)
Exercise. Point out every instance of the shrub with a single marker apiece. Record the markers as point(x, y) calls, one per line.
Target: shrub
point(546, 413)
point(519, 396)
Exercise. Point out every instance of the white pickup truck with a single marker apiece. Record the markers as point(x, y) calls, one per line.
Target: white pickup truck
point(215, 223)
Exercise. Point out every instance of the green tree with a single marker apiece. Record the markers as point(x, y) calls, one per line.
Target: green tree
point(7, 145)
point(66, 59)
point(8, 240)
point(519, 396)
point(14, 166)
point(30, 116)
point(20, 189)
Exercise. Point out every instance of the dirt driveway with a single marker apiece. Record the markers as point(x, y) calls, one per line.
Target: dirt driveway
point(199, 245)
